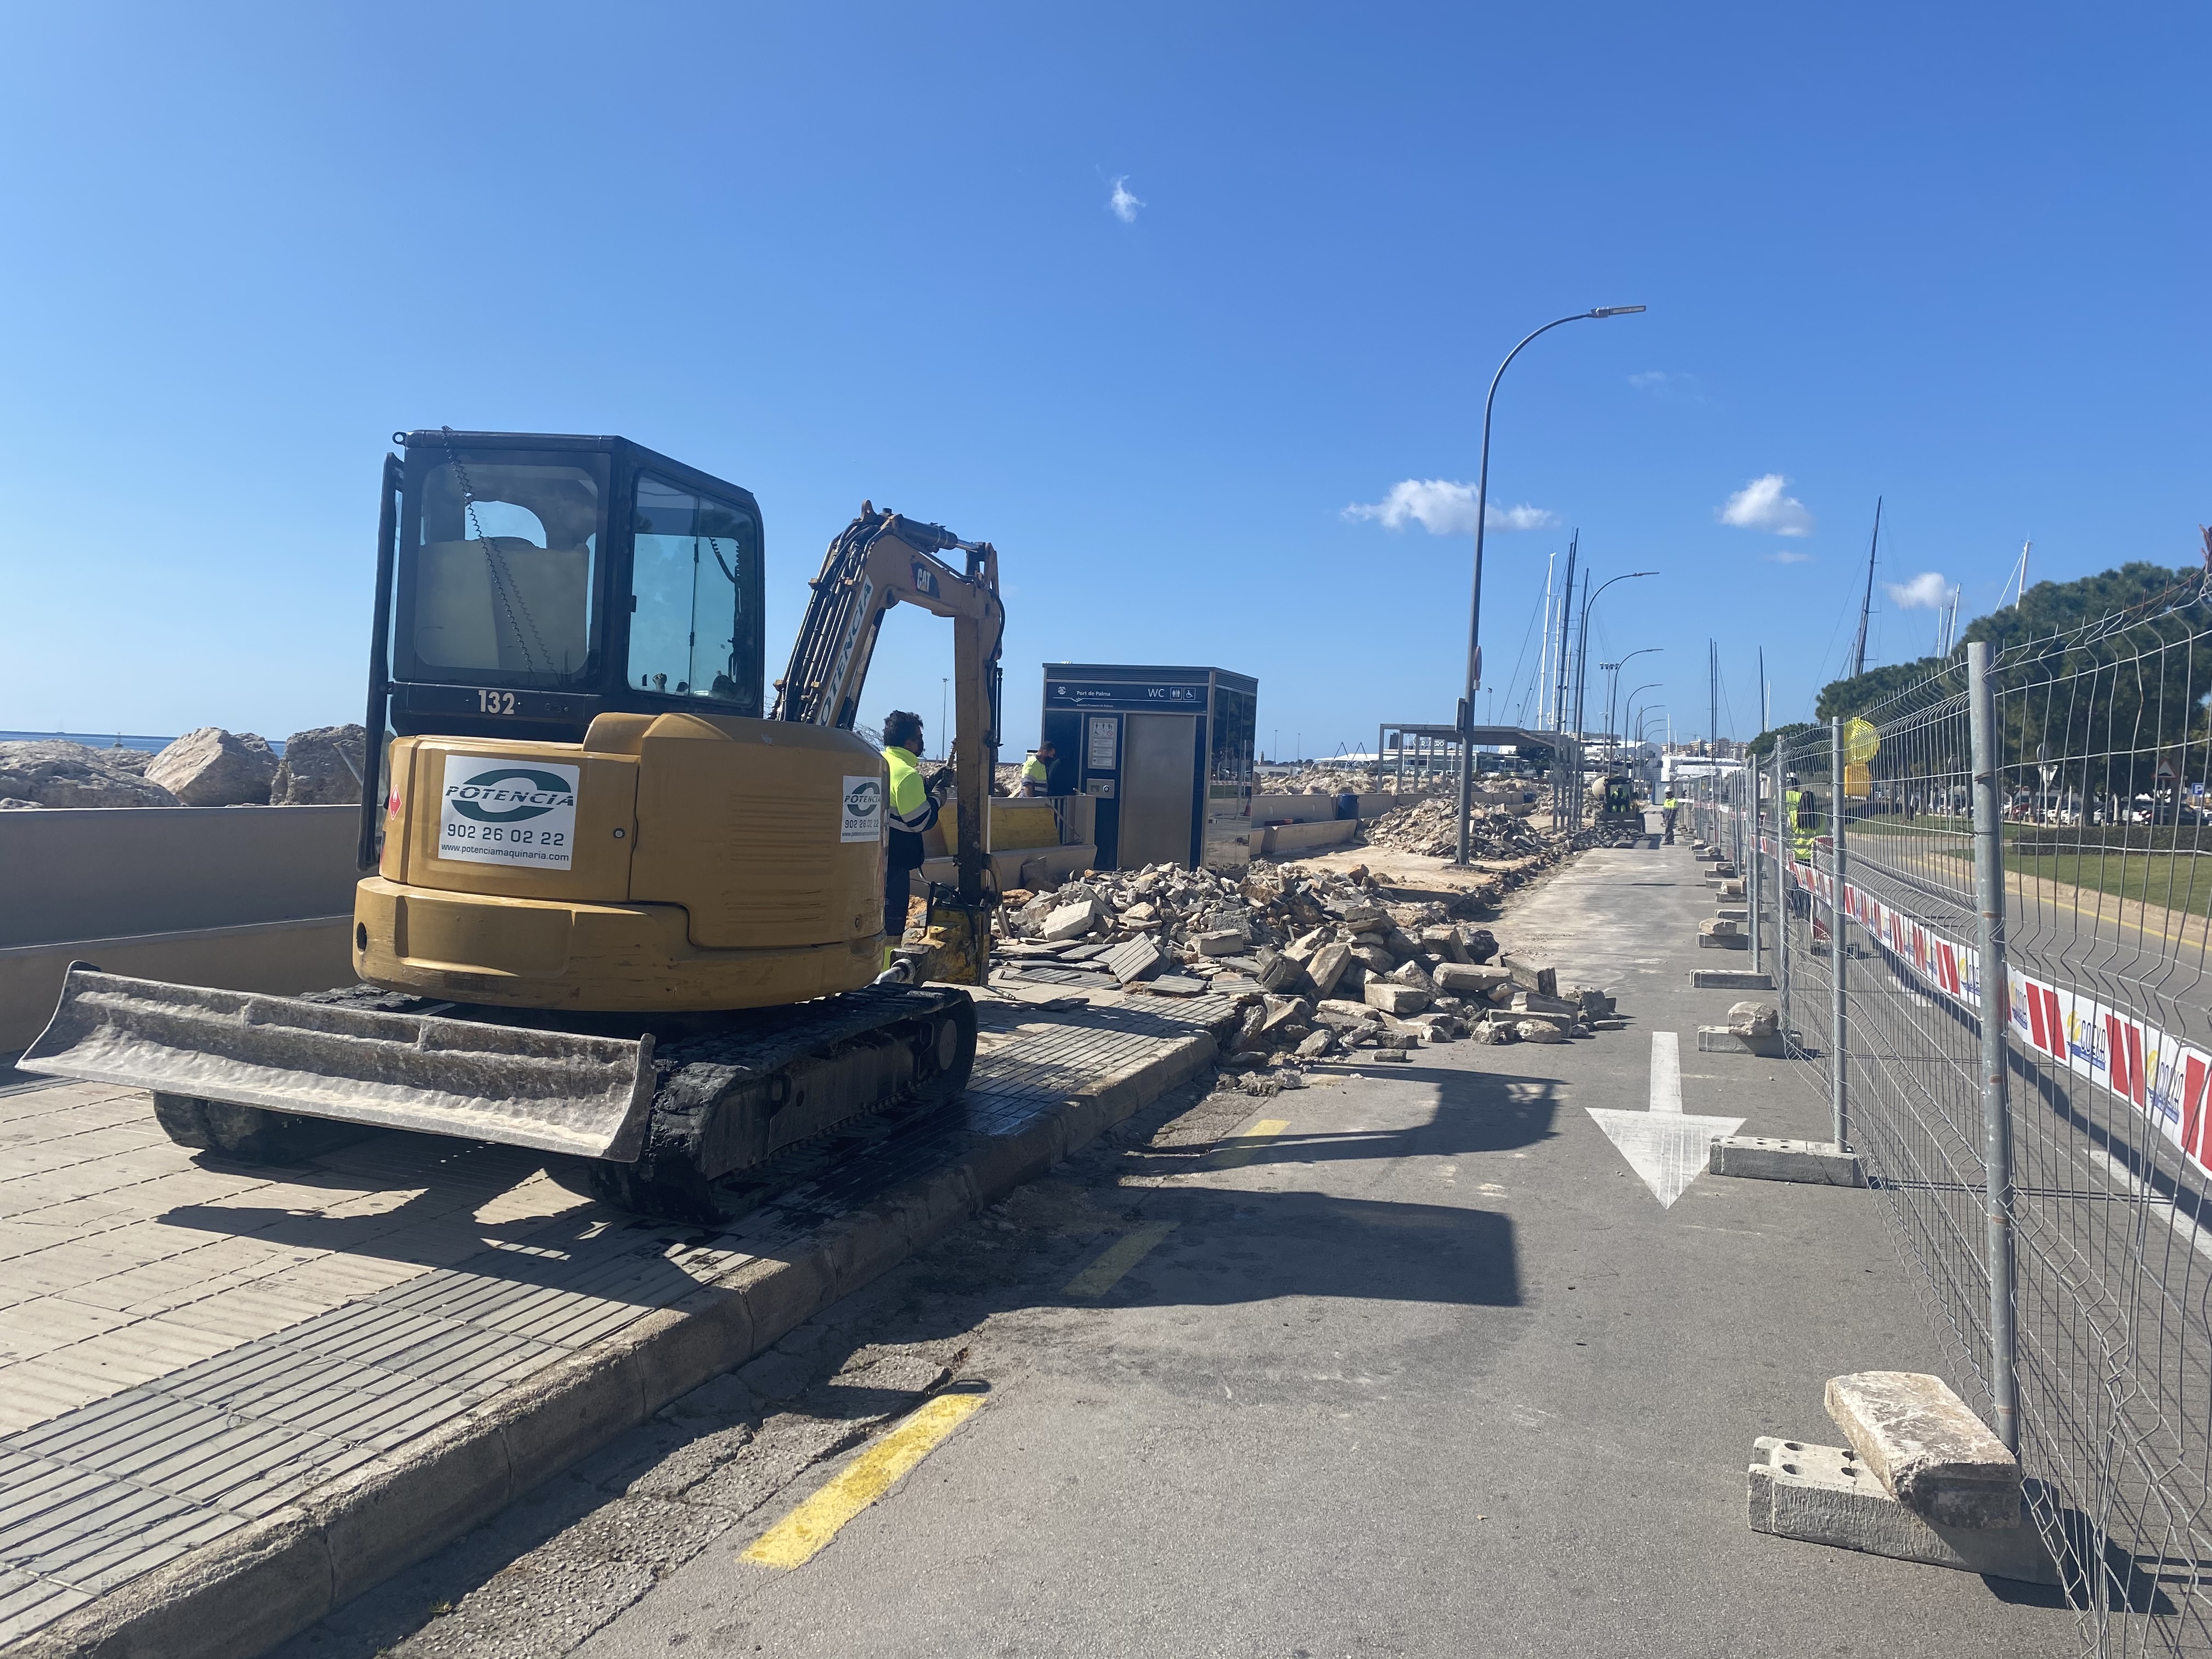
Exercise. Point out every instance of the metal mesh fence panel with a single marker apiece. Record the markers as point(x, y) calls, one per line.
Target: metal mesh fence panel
point(2094, 769)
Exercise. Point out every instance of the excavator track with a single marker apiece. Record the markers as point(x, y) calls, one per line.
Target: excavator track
point(733, 1090)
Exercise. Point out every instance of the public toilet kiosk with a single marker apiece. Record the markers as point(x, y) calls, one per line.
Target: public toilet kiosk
point(1166, 753)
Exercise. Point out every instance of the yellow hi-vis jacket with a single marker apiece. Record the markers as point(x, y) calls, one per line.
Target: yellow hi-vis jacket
point(912, 809)
point(1033, 771)
point(1796, 812)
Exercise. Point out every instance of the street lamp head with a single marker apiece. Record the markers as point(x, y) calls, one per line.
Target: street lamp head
point(1615, 311)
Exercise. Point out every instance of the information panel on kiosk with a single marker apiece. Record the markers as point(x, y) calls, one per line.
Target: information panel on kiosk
point(1125, 697)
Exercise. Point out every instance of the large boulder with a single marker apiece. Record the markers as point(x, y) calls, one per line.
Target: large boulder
point(55, 772)
point(211, 767)
point(320, 767)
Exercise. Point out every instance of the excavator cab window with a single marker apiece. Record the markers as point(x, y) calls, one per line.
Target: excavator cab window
point(695, 561)
point(505, 565)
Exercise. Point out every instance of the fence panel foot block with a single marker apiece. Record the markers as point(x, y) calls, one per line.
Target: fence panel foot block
point(1812, 1162)
point(1827, 1495)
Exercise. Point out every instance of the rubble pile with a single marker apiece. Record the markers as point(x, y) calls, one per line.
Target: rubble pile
point(1321, 963)
point(1431, 827)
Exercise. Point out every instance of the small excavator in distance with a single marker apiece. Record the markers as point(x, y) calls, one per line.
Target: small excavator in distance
point(616, 914)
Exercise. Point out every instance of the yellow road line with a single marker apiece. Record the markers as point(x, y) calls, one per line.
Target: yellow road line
point(1242, 1149)
point(1125, 1252)
point(793, 1541)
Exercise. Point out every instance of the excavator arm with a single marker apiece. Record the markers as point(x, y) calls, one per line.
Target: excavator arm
point(884, 559)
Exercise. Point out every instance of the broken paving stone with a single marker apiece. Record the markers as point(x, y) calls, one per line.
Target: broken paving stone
point(1220, 942)
point(1130, 962)
point(1538, 1030)
point(1318, 1044)
point(1285, 1010)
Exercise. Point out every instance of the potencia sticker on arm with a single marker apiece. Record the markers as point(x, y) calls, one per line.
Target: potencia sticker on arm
point(862, 815)
point(499, 811)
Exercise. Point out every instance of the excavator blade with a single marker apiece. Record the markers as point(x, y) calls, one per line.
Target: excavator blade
point(588, 1096)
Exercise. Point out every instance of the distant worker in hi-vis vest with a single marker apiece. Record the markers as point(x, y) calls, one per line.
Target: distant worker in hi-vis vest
point(1037, 768)
point(1669, 807)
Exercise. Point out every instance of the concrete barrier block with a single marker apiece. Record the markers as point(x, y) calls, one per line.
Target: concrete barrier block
point(1810, 1163)
point(1723, 1040)
point(1827, 1495)
point(1935, 1455)
point(1730, 979)
point(1722, 941)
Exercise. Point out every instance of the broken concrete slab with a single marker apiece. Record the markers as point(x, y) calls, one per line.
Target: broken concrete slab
point(1719, 936)
point(1327, 967)
point(1396, 999)
point(1538, 978)
point(1071, 920)
point(1220, 941)
point(1467, 977)
point(1809, 1162)
point(1828, 1495)
point(1934, 1454)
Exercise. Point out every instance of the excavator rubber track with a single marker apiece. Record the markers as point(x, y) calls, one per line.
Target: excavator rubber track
point(647, 1115)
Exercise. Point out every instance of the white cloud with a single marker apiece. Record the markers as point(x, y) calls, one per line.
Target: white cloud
point(1761, 505)
point(1121, 204)
point(1648, 381)
point(1926, 591)
point(1445, 508)
point(1786, 555)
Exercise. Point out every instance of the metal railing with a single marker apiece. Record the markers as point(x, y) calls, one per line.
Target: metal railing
point(1984, 905)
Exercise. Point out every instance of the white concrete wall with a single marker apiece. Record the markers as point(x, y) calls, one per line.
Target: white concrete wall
point(248, 898)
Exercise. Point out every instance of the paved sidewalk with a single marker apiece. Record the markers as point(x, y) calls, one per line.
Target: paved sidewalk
point(188, 1345)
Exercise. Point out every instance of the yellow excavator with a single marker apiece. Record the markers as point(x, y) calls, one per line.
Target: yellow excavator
point(619, 912)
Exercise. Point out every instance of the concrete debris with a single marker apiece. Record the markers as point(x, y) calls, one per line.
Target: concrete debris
point(9, 804)
point(55, 772)
point(1430, 826)
point(1923, 1443)
point(1754, 1019)
point(211, 767)
point(1324, 961)
point(322, 767)
point(1071, 920)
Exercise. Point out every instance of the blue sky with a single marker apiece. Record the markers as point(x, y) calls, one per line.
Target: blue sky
point(1953, 257)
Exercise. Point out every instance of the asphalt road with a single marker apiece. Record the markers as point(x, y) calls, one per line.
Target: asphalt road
point(1426, 1369)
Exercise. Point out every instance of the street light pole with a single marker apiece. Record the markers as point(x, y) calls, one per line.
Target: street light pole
point(1612, 704)
point(1582, 680)
point(1628, 716)
point(1474, 603)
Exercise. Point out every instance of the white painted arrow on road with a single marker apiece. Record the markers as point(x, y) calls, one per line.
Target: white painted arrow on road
point(1664, 1145)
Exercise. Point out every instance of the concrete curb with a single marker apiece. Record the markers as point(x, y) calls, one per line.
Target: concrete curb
point(254, 1588)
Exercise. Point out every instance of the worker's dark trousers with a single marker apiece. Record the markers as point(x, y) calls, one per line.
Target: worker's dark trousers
point(895, 894)
point(1669, 815)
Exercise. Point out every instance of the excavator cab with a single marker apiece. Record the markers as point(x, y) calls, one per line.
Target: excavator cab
point(537, 582)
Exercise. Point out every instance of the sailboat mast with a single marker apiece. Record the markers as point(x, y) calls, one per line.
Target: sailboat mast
point(1866, 605)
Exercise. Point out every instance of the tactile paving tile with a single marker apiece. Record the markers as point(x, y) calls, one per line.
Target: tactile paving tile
point(100, 1494)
